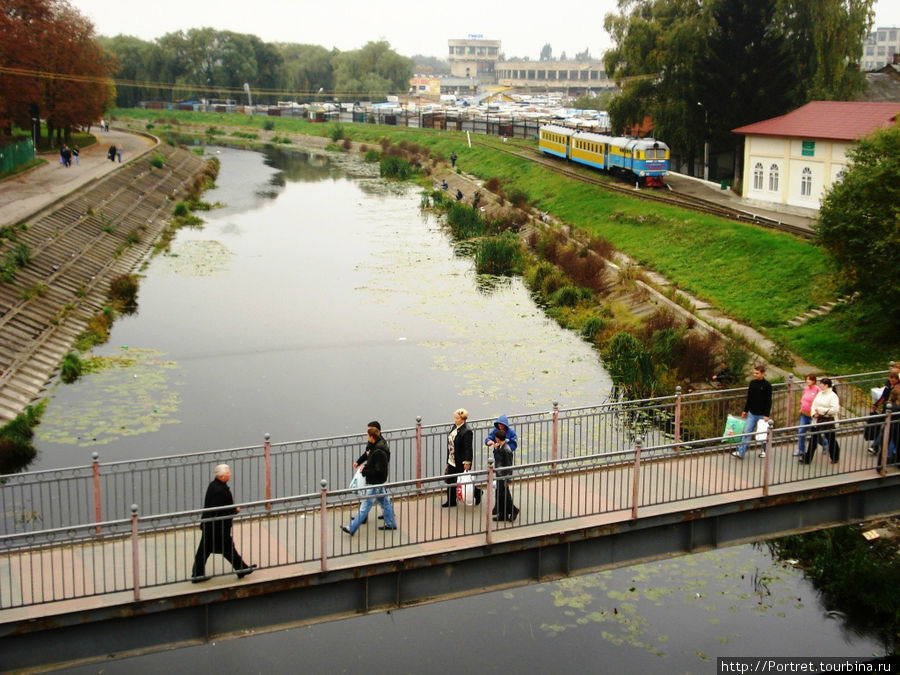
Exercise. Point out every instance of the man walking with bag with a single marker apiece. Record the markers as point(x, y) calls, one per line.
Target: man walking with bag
point(757, 407)
point(376, 472)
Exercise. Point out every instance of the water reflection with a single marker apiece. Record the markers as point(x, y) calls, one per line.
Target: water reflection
point(670, 616)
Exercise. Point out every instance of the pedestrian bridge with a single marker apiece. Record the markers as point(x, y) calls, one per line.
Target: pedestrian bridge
point(99, 557)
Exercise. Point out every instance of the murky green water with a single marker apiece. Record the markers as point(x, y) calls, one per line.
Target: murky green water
point(317, 298)
point(673, 616)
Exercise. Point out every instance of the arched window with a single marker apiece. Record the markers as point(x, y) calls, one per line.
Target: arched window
point(806, 182)
point(773, 178)
point(758, 176)
point(839, 177)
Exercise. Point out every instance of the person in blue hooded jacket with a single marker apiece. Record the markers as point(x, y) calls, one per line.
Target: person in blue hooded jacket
point(512, 440)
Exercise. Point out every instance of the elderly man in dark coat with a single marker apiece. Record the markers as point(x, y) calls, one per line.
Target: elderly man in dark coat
point(216, 528)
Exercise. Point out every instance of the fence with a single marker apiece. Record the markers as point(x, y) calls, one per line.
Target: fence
point(15, 155)
point(142, 551)
point(74, 496)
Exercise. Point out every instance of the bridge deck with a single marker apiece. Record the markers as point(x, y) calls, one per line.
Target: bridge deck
point(42, 580)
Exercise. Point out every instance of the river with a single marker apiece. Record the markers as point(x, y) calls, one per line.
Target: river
point(318, 297)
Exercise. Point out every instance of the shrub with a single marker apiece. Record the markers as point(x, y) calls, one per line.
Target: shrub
point(630, 366)
point(517, 198)
point(123, 291)
point(697, 356)
point(181, 210)
point(22, 254)
point(465, 222)
point(336, 132)
point(567, 296)
point(372, 155)
point(347, 144)
point(395, 167)
point(71, 368)
point(493, 184)
point(157, 161)
point(16, 448)
point(592, 327)
point(499, 255)
point(268, 125)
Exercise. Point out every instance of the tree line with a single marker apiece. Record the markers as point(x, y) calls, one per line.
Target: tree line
point(700, 68)
point(213, 64)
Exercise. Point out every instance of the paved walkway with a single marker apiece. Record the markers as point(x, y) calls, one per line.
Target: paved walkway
point(26, 194)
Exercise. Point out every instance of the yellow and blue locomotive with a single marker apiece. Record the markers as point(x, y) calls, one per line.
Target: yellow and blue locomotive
point(643, 158)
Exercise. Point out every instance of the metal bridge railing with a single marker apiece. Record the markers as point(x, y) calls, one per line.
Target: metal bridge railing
point(105, 491)
point(145, 551)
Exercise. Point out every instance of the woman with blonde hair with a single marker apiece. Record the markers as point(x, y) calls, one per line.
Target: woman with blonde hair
point(459, 453)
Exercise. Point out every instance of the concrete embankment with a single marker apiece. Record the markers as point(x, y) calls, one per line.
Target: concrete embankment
point(74, 249)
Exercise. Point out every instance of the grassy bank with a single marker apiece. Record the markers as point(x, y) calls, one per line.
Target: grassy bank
point(759, 277)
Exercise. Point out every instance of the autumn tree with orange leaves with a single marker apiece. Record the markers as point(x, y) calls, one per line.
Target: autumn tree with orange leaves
point(51, 67)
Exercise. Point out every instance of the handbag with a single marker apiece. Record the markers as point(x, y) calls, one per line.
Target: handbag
point(467, 491)
point(358, 482)
point(762, 430)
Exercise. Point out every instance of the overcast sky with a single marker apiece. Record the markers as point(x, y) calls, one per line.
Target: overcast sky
point(410, 27)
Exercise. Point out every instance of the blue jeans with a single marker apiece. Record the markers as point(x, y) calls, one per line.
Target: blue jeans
point(374, 494)
point(805, 421)
point(749, 428)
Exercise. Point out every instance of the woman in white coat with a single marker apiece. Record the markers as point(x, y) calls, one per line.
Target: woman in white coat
point(825, 408)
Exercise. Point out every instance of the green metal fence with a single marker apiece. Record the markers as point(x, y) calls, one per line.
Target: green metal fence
point(15, 154)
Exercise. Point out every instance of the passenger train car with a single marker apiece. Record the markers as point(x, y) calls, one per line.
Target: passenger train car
point(644, 158)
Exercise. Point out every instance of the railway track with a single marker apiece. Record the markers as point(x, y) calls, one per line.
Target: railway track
point(76, 249)
point(672, 198)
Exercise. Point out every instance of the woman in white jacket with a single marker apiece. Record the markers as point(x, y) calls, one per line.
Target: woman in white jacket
point(825, 408)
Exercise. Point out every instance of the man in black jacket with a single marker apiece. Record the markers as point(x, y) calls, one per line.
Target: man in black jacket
point(757, 407)
point(375, 471)
point(216, 528)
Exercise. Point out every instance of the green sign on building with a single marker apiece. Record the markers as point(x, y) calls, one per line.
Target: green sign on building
point(809, 148)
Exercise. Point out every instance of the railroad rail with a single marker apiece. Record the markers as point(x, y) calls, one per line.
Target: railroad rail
point(671, 198)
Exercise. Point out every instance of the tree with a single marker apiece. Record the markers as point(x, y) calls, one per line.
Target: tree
point(859, 221)
point(547, 52)
point(63, 73)
point(825, 39)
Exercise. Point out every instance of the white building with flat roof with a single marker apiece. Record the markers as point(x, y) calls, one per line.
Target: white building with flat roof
point(880, 47)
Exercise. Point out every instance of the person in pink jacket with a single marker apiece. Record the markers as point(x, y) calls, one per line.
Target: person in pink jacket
point(806, 400)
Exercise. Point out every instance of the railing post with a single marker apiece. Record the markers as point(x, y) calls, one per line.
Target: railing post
point(323, 525)
point(885, 438)
point(677, 416)
point(488, 506)
point(268, 471)
point(636, 477)
point(555, 451)
point(95, 457)
point(135, 559)
point(768, 448)
point(790, 402)
point(419, 452)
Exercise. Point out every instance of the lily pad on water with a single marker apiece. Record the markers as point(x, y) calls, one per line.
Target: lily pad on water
point(197, 258)
point(124, 397)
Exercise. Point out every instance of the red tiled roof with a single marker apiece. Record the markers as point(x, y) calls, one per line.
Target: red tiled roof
point(827, 120)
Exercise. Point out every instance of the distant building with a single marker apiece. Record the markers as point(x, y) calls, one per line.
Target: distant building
point(425, 85)
point(574, 77)
point(474, 58)
point(794, 159)
point(880, 47)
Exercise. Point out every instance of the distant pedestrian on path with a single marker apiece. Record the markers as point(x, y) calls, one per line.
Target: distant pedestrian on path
point(216, 528)
point(810, 391)
point(75, 153)
point(119, 153)
point(757, 407)
point(453, 160)
point(111, 153)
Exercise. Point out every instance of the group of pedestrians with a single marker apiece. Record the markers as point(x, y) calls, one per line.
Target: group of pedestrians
point(67, 155)
point(819, 411)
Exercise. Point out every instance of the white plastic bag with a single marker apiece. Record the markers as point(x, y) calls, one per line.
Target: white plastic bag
point(466, 488)
point(762, 430)
point(358, 482)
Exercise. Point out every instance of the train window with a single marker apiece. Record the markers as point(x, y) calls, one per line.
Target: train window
point(806, 182)
point(758, 176)
point(773, 178)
